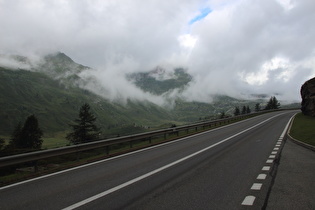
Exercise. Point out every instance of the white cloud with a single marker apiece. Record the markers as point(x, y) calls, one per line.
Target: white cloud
point(263, 75)
point(187, 41)
point(286, 4)
point(231, 51)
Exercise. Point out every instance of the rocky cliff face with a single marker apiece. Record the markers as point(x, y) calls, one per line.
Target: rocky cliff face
point(308, 97)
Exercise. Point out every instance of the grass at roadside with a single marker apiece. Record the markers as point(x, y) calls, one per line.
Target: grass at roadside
point(303, 129)
point(53, 142)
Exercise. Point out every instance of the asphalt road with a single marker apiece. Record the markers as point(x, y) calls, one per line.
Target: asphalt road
point(226, 168)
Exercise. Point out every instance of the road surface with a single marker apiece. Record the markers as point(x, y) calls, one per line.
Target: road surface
point(227, 168)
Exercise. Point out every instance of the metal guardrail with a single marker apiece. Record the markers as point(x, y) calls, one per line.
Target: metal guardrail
point(38, 155)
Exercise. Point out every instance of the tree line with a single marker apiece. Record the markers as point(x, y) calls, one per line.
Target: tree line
point(28, 136)
point(273, 103)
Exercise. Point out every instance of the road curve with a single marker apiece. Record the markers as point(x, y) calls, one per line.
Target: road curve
point(225, 168)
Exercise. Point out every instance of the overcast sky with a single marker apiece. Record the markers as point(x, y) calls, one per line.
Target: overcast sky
point(230, 47)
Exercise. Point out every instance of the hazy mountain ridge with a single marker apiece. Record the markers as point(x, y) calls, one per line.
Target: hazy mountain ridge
point(51, 90)
point(25, 92)
point(159, 81)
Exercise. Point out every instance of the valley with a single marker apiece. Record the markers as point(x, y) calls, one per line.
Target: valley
point(53, 91)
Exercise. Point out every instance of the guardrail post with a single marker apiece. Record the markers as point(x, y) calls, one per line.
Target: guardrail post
point(130, 143)
point(78, 155)
point(150, 140)
point(164, 136)
point(36, 166)
point(107, 150)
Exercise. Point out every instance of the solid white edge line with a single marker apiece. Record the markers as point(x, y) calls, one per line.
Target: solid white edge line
point(102, 194)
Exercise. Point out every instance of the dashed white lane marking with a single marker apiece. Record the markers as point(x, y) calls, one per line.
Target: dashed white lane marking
point(130, 182)
point(256, 186)
point(262, 176)
point(249, 200)
point(266, 168)
point(269, 161)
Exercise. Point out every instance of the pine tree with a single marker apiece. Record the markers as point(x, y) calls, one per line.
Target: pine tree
point(222, 115)
point(272, 103)
point(31, 134)
point(237, 111)
point(15, 141)
point(257, 107)
point(28, 136)
point(248, 111)
point(84, 130)
point(244, 110)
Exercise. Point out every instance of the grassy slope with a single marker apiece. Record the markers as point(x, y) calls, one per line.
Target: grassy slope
point(303, 128)
point(23, 93)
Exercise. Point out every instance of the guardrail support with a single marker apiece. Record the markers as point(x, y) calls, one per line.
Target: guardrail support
point(107, 150)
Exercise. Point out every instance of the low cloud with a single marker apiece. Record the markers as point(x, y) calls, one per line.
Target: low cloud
point(236, 48)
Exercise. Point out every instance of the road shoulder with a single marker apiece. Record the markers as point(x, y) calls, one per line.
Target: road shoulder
point(294, 185)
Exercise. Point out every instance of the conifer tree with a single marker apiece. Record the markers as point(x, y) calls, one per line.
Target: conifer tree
point(237, 111)
point(257, 107)
point(27, 137)
point(31, 134)
point(244, 110)
point(272, 103)
point(248, 111)
point(84, 130)
point(15, 140)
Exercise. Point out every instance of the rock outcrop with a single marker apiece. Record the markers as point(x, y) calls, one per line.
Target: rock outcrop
point(308, 97)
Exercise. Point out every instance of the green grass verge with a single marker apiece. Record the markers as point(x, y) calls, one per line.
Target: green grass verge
point(303, 129)
point(54, 142)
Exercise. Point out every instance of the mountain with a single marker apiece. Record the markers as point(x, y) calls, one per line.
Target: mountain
point(159, 81)
point(23, 93)
point(49, 89)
